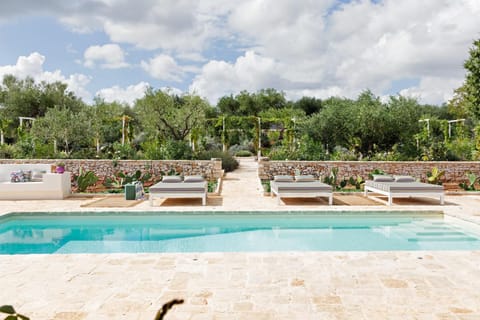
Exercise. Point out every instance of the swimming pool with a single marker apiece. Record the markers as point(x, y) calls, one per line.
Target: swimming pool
point(97, 232)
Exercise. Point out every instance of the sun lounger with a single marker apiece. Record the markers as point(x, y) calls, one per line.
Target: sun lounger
point(403, 187)
point(303, 187)
point(170, 187)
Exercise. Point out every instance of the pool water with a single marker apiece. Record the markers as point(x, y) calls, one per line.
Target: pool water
point(49, 233)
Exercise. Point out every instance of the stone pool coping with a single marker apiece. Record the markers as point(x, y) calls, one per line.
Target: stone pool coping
point(287, 285)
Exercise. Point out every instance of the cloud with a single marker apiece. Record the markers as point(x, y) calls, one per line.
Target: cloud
point(433, 89)
point(362, 44)
point(301, 46)
point(26, 66)
point(163, 67)
point(108, 56)
point(32, 66)
point(249, 72)
point(318, 93)
point(172, 25)
point(126, 95)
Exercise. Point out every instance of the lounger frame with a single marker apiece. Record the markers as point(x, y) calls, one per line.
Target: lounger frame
point(310, 194)
point(403, 194)
point(179, 194)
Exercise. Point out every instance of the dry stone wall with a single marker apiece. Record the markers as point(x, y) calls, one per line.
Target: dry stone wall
point(454, 170)
point(210, 169)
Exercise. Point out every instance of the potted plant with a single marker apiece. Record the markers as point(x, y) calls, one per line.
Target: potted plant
point(60, 168)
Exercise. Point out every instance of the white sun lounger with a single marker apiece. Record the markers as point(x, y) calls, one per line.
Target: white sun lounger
point(180, 189)
point(297, 189)
point(404, 190)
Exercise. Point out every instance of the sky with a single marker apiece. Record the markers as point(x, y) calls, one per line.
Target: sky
point(116, 49)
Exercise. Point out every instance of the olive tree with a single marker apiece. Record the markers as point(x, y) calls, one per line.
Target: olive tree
point(64, 127)
point(170, 117)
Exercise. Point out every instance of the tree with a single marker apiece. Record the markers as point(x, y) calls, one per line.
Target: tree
point(333, 126)
point(459, 105)
point(64, 126)
point(169, 116)
point(309, 105)
point(270, 99)
point(106, 122)
point(228, 105)
point(26, 98)
point(472, 80)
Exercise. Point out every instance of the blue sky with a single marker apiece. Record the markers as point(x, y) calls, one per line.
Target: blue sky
point(116, 49)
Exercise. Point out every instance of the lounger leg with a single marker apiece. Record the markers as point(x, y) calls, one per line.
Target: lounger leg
point(442, 200)
point(330, 199)
point(390, 200)
point(204, 200)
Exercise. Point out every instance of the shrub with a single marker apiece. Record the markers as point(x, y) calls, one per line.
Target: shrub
point(241, 147)
point(7, 151)
point(434, 176)
point(176, 150)
point(228, 161)
point(152, 150)
point(310, 150)
point(356, 182)
point(282, 153)
point(212, 186)
point(332, 179)
point(343, 154)
point(243, 153)
point(120, 179)
point(85, 180)
point(266, 186)
point(84, 153)
point(470, 184)
point(125, 151)
point(376, 172)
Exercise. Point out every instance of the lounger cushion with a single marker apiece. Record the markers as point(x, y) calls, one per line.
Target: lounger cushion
point(405, 187)
point(171, 179)
point(404, 179)
point(301, 187)
point(193, 187)
point(304, 178)
point(283, 178)
point(190, 179)
point(383, 178)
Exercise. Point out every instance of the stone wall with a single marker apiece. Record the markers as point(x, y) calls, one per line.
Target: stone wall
point(454, 170)
point(210, 169)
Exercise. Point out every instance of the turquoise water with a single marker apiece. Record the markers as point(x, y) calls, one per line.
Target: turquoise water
point(159, 232)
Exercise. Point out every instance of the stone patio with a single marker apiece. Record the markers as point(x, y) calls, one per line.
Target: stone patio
point(288, 285)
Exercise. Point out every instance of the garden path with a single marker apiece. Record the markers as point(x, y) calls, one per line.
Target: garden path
point(243, 185)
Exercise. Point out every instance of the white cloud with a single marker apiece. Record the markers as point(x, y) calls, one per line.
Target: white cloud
point(108, 56)
point(172, 90)
point(249, 72)
point(26, 66)
point(302, 46)
point(163, 67)
point(126, 95)
point(361, 44)
point(174, 25)
point(32, 66)
point(433, 89)
point(325, 93)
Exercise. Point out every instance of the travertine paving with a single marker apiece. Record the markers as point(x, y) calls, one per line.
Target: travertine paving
point(291, 285)
point(322, 285)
